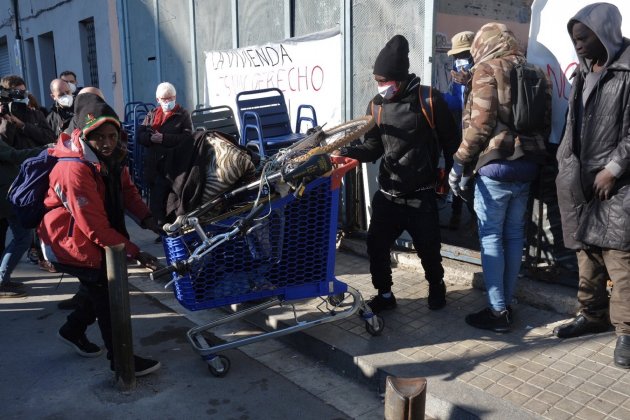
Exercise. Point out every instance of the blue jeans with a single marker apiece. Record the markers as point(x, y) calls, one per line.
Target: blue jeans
point(501, 208)
point(15, 250)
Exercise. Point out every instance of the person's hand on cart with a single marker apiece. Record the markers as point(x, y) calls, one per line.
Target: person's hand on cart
point(151, 224)
point(149, 261)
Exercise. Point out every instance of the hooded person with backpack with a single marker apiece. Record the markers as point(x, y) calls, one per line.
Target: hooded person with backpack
point(89, 191)
point(505, 162)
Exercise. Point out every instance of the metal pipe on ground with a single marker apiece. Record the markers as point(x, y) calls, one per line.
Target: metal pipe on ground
point(405, 398)
point(117, 281)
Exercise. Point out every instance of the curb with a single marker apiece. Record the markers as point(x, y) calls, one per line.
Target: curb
point(552, 297)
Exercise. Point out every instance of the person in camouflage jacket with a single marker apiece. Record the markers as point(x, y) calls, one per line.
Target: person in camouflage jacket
point(505, 164)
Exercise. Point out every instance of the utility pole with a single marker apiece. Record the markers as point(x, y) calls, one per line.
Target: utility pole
point(18, 38)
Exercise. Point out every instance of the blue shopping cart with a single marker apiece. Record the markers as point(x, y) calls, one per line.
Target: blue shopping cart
point(280, 252)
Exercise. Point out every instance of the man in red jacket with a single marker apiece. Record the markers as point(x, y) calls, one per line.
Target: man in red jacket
point(87, 200)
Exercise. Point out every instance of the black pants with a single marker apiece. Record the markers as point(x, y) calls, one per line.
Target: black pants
point(95, 307)
point(158, 193)
point(419, 216)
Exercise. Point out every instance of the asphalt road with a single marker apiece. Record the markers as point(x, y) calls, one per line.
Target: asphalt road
point(44, 379)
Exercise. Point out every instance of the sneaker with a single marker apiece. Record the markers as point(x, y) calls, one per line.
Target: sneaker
point(46, 266)
point(7, 291)
point(33, 255)
point(510, 311)
point(379, 303)
point(81, 345)
point(487, 320)
point(437, 296)
point(142, 366)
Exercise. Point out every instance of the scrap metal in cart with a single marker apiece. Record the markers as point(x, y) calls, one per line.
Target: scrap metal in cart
point(278, 249)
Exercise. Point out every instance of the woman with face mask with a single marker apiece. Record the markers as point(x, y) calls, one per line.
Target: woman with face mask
point(163, 131)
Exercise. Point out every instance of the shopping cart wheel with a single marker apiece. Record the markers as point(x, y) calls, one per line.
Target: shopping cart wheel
point(219, 366)
point(335, 300)
point(374, 325)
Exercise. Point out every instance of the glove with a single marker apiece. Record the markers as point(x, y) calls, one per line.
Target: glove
point(462, 77)
point(457, 180)
point(156, 138)
point(151, 223)
point(149, 261)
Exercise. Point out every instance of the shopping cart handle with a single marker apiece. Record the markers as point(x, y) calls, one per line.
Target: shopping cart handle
point(176, 225)
point(179, 266)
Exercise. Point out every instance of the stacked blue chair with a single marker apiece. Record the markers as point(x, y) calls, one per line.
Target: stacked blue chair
point(215, 118)
point(135, 112)
point(265, 124)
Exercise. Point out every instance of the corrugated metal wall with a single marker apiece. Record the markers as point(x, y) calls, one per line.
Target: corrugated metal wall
point(213, 31)
point(143, 50)
point(175, 51)
point(316, 15)
point(374, 22)
point(260, 21)
point(5, 65)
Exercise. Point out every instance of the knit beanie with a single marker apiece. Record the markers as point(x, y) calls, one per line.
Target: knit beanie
point(91, 111)
point(393, 60)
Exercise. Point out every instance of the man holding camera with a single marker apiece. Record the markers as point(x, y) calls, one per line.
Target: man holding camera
point(20, 126)
point(23, 132)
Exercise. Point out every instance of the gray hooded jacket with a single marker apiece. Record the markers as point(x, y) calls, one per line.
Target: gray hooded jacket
point(597, 136)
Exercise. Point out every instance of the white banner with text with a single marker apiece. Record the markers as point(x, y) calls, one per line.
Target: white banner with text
point(308, 70)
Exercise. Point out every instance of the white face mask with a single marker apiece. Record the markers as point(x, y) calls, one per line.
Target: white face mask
point(65, 101)
point(462, 64)
point(387, 91)
point(167, 106)
point(73, 87)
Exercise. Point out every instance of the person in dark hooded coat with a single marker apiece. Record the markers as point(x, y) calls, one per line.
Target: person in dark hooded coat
point(593, 181)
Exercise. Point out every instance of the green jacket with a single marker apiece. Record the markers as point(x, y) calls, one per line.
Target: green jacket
point(10, 160)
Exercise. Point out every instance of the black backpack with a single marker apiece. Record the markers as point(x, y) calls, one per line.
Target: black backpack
point(529, 98)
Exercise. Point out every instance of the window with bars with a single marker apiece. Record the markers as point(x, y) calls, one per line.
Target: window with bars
point(5, 64)
point(88, 48)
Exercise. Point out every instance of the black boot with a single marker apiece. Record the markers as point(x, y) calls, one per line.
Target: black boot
point(622, 352)
point(581, 325)
point(437, 296)
point(379, 303)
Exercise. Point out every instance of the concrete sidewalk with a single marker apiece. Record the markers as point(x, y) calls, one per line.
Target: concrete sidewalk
point(527, 373)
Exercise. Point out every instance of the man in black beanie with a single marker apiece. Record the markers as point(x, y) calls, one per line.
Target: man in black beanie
point(90, 191)
point(409, 149)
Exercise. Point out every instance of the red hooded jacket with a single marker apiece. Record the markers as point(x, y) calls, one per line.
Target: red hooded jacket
point(76, 229)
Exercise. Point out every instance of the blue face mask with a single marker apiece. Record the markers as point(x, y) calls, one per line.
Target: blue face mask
point(167, 105)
